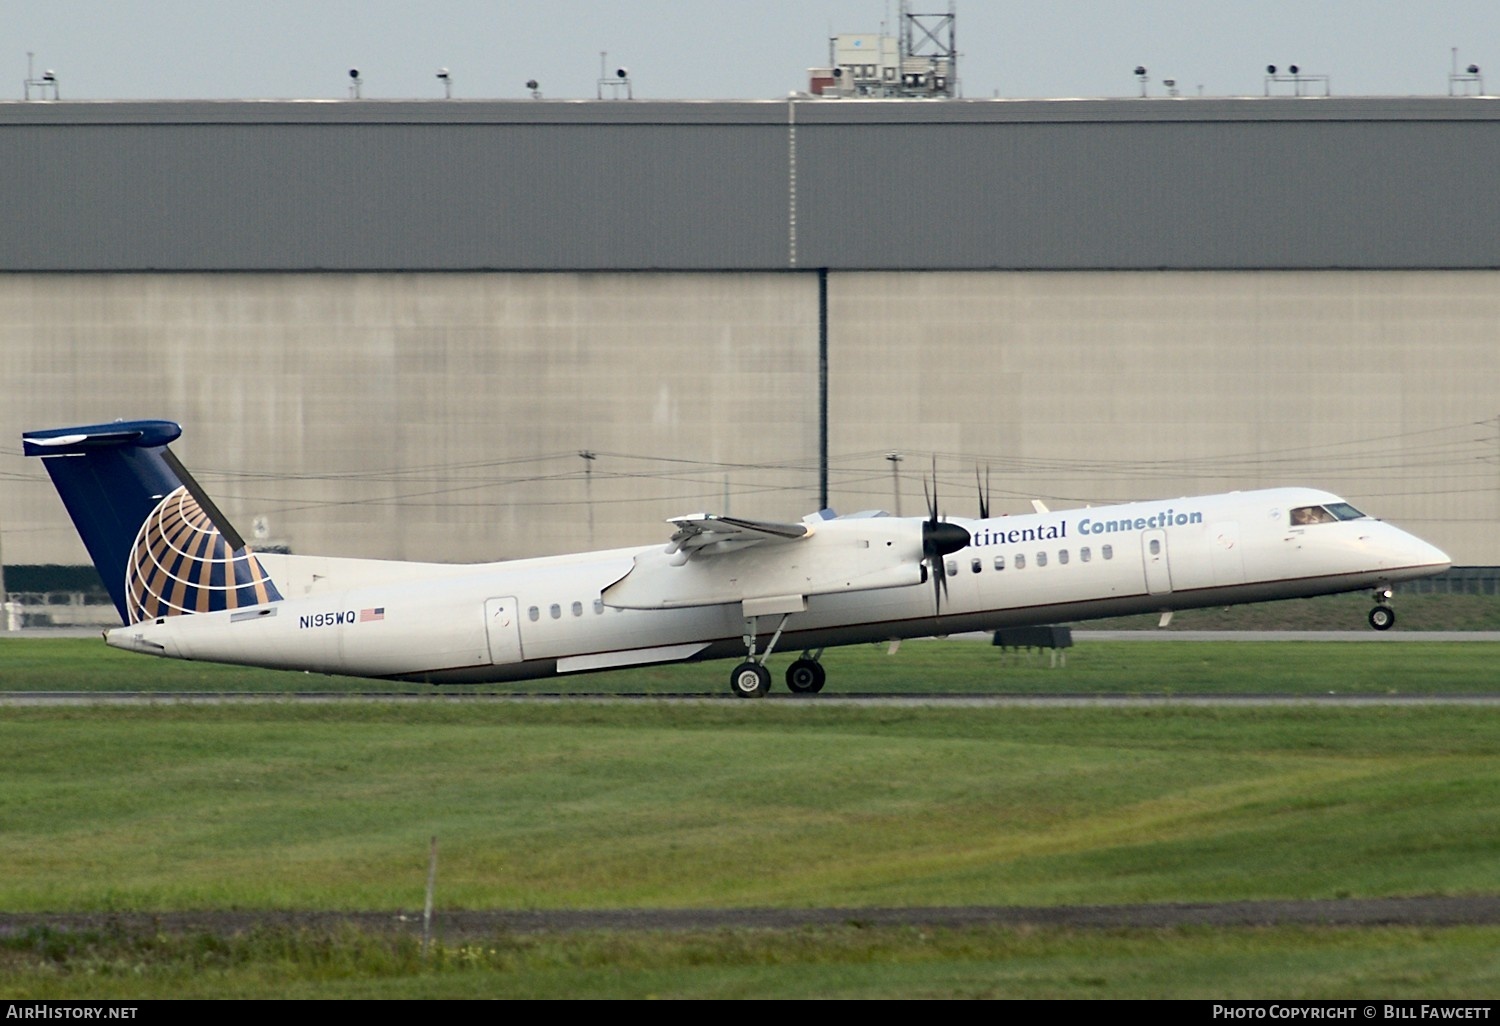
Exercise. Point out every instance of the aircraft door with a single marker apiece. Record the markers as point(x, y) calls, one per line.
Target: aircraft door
point(502, 622)
point(1154, 555)
point(1227, 556)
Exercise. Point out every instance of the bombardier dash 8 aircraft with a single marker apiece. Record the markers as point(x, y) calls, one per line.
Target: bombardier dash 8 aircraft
point(187, 586)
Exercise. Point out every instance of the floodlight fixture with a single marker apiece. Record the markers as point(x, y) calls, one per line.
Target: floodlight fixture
point(44, 85)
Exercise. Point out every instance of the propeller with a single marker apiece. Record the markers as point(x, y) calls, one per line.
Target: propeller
point(939, 538)
point(984, 492)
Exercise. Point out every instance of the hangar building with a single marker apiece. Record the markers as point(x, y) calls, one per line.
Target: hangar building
point(464, 330)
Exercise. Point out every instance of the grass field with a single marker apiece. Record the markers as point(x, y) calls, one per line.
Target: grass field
point(847, 962)
point(919, 667)
point(739, 804)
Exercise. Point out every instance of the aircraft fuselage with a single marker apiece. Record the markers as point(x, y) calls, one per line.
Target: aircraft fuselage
point(567, 614)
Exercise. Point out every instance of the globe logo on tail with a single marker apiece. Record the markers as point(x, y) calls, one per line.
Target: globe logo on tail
point(181, 564)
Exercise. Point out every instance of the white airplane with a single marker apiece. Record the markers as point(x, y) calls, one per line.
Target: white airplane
point(187, 586)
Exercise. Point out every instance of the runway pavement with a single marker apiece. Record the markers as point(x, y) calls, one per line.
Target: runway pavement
point(1424, 911)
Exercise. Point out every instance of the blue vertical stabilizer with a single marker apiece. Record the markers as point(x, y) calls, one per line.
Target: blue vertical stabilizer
point(161, 546)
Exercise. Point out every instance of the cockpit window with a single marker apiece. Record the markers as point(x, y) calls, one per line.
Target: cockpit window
point(1312, 515)
point(1344, 511)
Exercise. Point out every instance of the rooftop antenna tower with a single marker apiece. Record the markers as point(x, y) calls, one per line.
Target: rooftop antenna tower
point(919, 62)
point(929, 52)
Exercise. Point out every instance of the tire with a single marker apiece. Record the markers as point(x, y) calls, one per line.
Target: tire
point(806, 677)
point(1382, 617)
point(750, 680)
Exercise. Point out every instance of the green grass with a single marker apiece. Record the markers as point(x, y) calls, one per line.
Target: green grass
point(792, 804)
point(844, 962)
point(740, 804)
point(954, 666)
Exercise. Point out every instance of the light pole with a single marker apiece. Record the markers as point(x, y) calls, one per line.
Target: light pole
point(588, 457)
point(895, 458)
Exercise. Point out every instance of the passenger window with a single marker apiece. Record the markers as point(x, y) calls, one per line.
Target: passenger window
point(1155, 547)
point(1041, 559)
point(534, 613)
point(1020, 561)
point(999, 562)
point(598, 605)
point(556, 611)
point(1062, 556)
point(976, 565)
point(1083, 553)
point(1108, 551)
point(952, 568)
point(577, 608)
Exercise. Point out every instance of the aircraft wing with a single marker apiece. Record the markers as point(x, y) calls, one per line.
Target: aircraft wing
point(771, 567)
point(708, 534)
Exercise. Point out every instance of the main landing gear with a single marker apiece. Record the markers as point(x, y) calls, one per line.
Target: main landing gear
point(751, 679)
point(1382, 617)
point(805, 676)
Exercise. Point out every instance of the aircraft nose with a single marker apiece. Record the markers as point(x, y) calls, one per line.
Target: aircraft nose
point(1418, 553)
point(1436, 557)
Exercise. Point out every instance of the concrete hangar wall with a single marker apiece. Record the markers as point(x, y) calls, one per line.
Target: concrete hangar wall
point(390, 329)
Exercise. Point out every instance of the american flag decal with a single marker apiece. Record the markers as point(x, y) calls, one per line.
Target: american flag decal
point(366, 615)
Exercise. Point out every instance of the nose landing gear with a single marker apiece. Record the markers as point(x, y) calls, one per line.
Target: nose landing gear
point(1382, 617)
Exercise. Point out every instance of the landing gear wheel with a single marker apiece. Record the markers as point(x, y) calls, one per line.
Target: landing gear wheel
point(806, 677)
point(1382, 617)
point(750, 680)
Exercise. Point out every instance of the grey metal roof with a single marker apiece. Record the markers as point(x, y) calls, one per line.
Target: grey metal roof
point(780, 184)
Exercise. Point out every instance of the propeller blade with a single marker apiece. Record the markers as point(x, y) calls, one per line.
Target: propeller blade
point(984, 492)
point(932, 500)
point(938, 541)
point(939, 538)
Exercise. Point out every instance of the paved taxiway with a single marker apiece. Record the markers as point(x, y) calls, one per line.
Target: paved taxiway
point(1062, 701)
point(467, 923)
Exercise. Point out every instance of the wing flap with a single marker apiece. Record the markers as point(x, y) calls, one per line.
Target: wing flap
point(709, 534)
